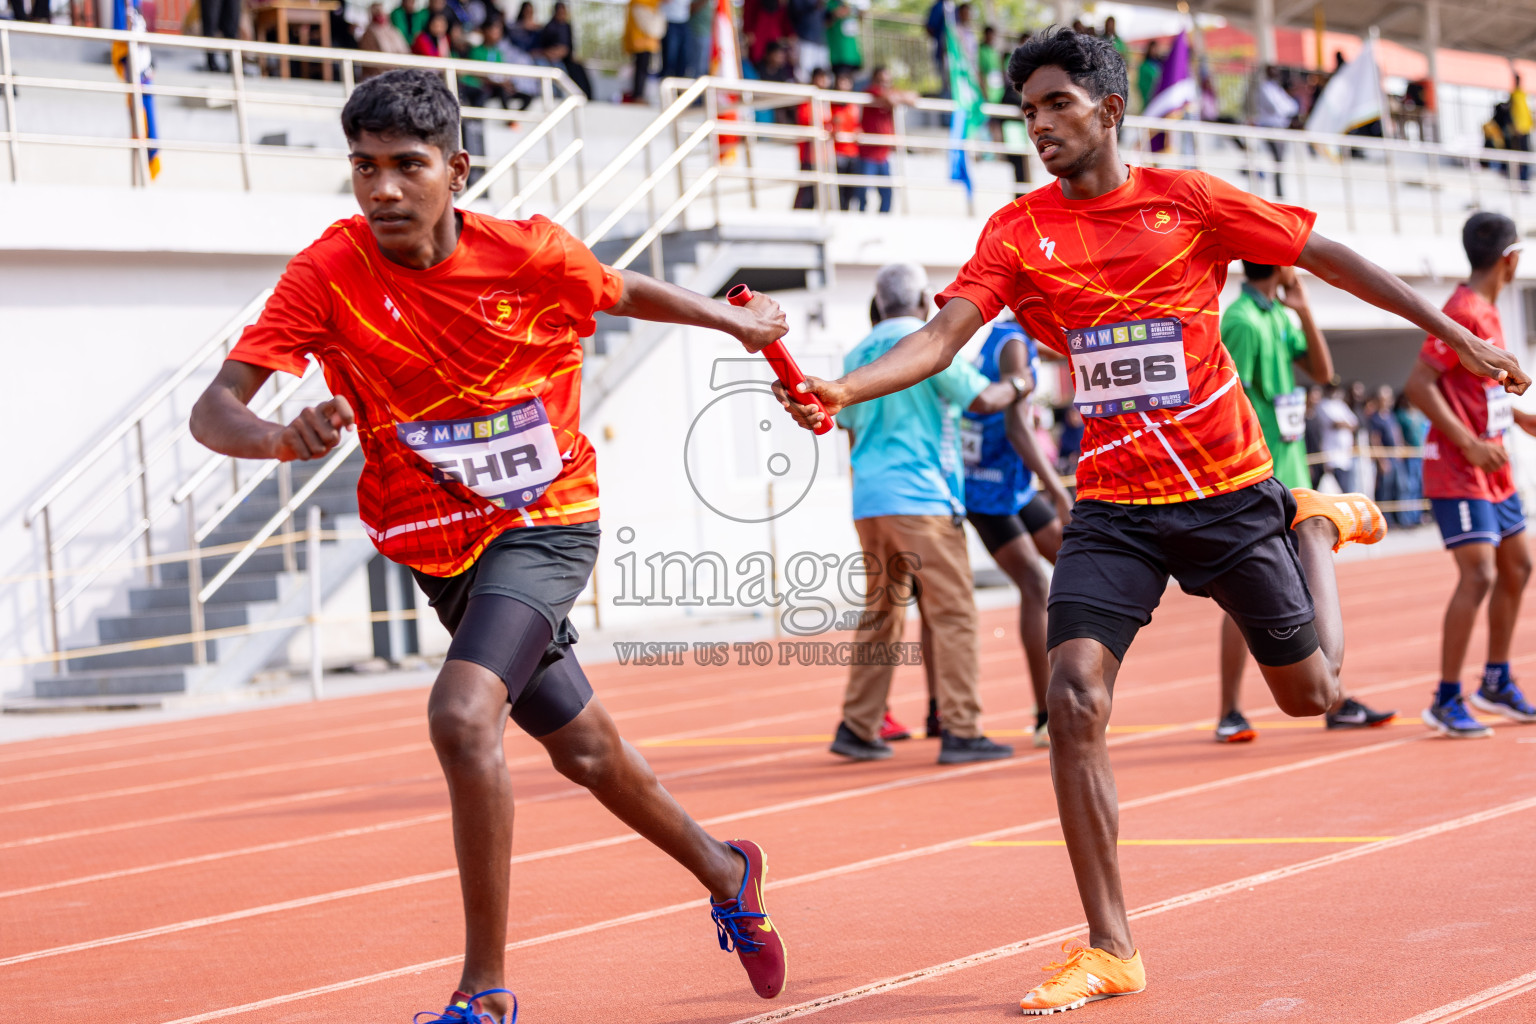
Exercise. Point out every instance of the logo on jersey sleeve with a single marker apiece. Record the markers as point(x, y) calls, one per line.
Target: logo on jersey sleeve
point(1161, 218)
point(502, 309)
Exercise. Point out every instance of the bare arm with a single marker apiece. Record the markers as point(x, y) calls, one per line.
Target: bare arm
point(222, 421)
point(1344, 268)
point(1021, 431)
point(755, 325)
point(1423, 391)
point(1319, 358)
point(914, 358)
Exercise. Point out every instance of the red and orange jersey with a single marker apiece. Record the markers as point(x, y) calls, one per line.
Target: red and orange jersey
point(465, 344)
point(1475, 400)
point(1126, 286)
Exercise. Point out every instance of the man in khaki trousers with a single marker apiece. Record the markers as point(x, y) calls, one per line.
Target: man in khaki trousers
point(908, 507)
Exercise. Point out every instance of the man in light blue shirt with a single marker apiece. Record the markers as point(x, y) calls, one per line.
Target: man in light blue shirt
point(909, 510)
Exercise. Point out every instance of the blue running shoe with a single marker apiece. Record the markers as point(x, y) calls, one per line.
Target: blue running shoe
point(1451, 718)
point(465, 1009)
point(1508, 701)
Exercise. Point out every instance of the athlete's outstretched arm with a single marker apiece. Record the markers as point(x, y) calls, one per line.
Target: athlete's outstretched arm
point(221, 420)
point(914, 358)
point(1344, 268)
point(758, 323)
point(1422, 389)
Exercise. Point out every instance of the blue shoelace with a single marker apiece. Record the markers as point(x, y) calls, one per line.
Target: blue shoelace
point(465, 1015)
point(731, 924)
point(1457, 714)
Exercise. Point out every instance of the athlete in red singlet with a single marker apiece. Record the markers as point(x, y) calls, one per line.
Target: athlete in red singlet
point(1119, 268)
point(452, 342)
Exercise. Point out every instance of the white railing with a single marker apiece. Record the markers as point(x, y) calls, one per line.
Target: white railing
point(240, 93)
point(1385, 185)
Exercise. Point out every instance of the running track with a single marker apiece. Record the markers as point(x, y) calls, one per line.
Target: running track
point(294, 863)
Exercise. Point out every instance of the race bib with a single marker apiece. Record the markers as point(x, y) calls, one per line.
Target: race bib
point(1291, 414)
point(508, 457)
point(1501, 410)
point(970, 442)
point(1129, 367)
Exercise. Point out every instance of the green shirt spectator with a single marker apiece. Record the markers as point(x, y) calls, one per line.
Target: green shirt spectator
point(1265, 341)
point(989, 63)
point(409, 19)
point(844, 47)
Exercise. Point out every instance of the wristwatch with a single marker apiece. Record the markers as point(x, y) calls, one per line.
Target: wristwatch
point(1019, 387)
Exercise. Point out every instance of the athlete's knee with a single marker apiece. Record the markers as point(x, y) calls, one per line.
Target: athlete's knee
point(1515, 573)
point(463, 734)
point(1477, 578)
point(1077, 703)
point(586, 755)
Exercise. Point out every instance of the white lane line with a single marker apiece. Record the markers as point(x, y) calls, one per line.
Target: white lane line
point(363, 830)
point(242, 773)
point(1477, 1001)
point(1161, 906)
point(814, 876)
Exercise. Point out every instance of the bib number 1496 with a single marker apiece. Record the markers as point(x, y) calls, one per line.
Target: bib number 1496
point(1130, 367)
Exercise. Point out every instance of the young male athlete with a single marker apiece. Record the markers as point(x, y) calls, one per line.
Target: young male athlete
point(1019, 522)
point(1119, 268)
point(1469, 485)
point(452, 342)
point(1265, 344)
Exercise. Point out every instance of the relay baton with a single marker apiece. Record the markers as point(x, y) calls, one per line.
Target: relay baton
point(784, 364)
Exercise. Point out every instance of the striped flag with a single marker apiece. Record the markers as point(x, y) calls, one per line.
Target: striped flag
point(126, 16)
point(965, 90)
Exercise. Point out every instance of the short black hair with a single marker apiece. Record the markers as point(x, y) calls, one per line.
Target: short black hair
point(1090, 61)
point(407, 101)
point(1258, 271)
point(1485, 236)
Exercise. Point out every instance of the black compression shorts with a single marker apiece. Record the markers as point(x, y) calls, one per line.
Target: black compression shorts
point(997, 532)
point(1236, 548)
point(508, 612)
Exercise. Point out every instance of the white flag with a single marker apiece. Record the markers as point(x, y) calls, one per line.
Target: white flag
point(1351, 98)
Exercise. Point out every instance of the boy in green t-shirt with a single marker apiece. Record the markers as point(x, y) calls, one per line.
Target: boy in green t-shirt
point(1266, 342)
point(843, 29)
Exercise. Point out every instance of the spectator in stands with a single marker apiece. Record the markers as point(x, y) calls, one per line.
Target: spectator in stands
point(1274, 107)
point(805, 195)
point(433, 40)
point(450, 9)
point(675, 44)
point(701, 31)
point(41, 12)
point(1385, 433)
point(1150, 72)
point(808, 20)
point(558, 42)
point(845, 123)
point(1069, 446)
point(523, 32)
point(965, 36)
point(498, 87)
point(381, 36)
point(844, 43)
point(763, 23)
point(775, 66)
point(1339, 426)
point(409, 19)
point(642, 41)
point(1414, 426)
point(1519, 139)
point(908, 508)
point(1496, 132)
point(1314, 435)
point(1113, 36)
point(879, 118)
point(934, 26)
point(221, 20)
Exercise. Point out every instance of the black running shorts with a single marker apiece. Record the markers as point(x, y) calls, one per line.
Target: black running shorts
point(1235, 548)
point(544, 568)
point(997, 532)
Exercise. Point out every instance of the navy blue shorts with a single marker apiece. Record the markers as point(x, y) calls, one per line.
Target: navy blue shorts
point(1475, 521)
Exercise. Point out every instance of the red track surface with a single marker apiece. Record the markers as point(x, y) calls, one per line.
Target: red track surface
point(295, 863)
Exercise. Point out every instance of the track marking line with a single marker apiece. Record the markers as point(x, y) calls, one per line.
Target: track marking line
point(871, 863)
point(362, 830)
point(1148, 910)
point(1477, 1001)
point(1255, 841)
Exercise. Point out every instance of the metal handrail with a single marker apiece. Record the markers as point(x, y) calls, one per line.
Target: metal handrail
point(517, 152)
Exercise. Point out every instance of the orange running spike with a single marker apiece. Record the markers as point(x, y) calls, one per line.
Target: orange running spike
point(1356, 517)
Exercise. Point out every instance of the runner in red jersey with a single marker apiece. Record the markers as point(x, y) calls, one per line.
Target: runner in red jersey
point(1470, 486)
point(1118, 268)
point(452, 342)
